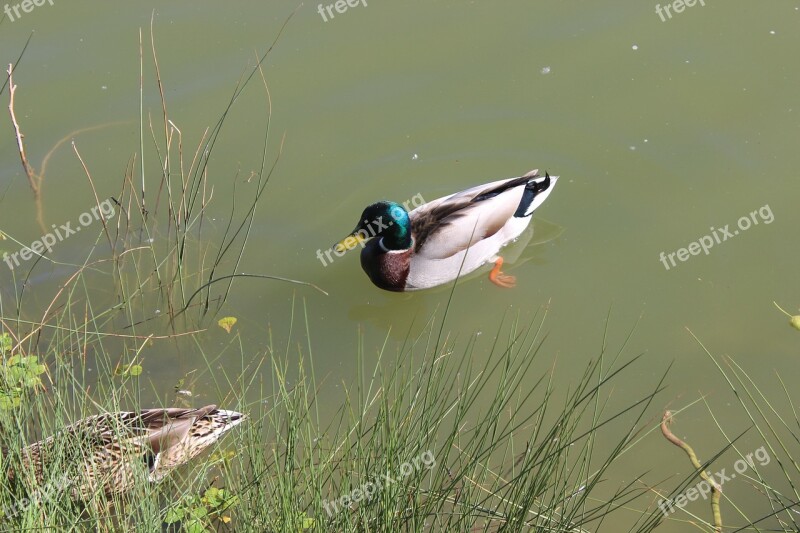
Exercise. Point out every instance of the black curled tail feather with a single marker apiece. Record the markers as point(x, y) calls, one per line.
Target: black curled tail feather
point(532, 189)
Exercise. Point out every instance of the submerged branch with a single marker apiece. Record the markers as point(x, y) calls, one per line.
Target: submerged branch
point(243, 275)
point(716, 490)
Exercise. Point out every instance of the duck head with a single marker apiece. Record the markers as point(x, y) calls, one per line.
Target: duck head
point(384, 220)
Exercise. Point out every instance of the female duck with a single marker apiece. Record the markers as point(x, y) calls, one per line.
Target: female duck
point(104, 452)
point(449, 237)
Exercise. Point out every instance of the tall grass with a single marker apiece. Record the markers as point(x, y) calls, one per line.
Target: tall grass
point(507, 454)
point(471, 442)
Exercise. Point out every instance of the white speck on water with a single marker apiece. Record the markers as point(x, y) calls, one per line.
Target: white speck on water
point(635, 47)
point(631, 148)
point(772, 32)
point(104, 87)
point(415, 157)
point(545, 70)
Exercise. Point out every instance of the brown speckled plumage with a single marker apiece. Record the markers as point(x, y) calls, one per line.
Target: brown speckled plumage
point(105, 451)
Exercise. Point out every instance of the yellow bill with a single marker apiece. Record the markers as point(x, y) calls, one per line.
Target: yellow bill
point(349, 242)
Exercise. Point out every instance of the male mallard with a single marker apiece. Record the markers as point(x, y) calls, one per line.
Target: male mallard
point(104, 451)
point(427, 247)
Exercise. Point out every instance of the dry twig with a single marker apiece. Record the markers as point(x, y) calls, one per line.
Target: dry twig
point(33, 179)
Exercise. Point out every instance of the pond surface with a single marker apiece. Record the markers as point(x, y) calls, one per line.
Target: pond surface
point(664, 130)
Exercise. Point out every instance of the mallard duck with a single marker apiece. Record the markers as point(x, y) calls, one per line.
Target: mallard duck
point(427, 247)
point(104, 451)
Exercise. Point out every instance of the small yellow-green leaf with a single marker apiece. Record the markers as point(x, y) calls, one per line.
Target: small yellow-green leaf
point(795, 322)
point(129, 370)
point(227, 323)
point(221, 457)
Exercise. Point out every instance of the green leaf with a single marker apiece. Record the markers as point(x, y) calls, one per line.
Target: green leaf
point(17, 374)
point(5, 343)
point(199, 513)
point(175, 514)
point(129, 370)
point(196, 526)
point(214, 497)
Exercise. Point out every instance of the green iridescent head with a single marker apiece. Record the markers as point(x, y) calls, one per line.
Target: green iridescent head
point(386, 220)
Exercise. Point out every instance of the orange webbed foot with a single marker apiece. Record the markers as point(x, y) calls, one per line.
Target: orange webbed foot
point(498, 278)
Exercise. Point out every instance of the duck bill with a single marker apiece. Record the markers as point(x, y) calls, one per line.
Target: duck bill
point(350, 242)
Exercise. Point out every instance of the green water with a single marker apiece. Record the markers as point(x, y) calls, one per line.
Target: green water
point(659, 130)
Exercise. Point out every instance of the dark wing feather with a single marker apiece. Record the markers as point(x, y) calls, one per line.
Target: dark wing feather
point(427, 222)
